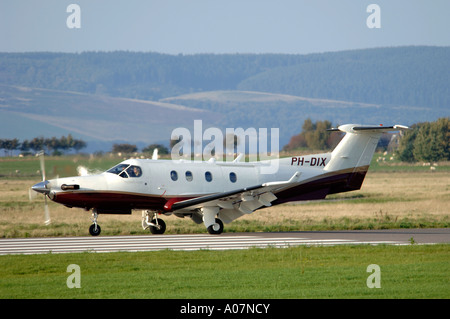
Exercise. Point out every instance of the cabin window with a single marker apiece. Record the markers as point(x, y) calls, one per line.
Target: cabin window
point(189, 176)
point(208, 176)
point(233, 177)
point(174, 175)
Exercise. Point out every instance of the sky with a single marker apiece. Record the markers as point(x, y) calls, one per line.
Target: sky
point(220, 26)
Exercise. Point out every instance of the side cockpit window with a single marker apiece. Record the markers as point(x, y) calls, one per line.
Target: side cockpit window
point(126, 170)
point(134, 171)
point(119, 169)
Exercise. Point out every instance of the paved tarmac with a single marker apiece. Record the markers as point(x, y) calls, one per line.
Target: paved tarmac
point(222, 242)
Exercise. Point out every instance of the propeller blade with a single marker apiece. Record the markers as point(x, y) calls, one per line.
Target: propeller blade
point(31, 194)
point(41, 155)
point(47, 212)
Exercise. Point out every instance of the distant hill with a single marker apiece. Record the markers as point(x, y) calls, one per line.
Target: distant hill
point(104, 120)
point(103, 97)
point(415, 76)
point(101, 120)
point(287, 112)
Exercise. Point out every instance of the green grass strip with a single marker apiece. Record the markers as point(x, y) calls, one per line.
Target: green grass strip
point(413, 271)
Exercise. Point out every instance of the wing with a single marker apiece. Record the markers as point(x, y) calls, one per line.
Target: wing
point(235, 203)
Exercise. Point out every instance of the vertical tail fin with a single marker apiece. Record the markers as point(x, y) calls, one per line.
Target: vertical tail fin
point(358, 145)
point(355, 151)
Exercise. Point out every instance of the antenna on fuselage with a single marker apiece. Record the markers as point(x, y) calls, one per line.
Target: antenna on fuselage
point(238, 158)
point(155, 154)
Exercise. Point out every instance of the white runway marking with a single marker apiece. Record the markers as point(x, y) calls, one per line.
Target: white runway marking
point(151, 243)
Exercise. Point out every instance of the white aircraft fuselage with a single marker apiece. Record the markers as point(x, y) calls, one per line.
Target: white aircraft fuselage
point(213, 191)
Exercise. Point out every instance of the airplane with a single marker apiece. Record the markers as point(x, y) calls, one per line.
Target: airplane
point(216, 192)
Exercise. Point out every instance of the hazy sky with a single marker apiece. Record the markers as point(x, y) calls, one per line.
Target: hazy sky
point(220, 26)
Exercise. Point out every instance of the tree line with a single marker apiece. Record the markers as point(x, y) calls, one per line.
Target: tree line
point(426, 142)
point(53, 145)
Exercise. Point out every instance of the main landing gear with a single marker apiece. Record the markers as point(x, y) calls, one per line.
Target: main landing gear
point(216, 228)
point(213, 225)
point(157, 226)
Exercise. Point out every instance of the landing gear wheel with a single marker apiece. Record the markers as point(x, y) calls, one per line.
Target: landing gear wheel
point(95, 230)
point(160, 229)
point(217, 228)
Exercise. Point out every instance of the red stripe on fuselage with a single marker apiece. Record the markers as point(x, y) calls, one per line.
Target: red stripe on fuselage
point(110, 200)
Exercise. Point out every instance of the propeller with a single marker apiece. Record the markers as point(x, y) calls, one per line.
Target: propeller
point(41, 188)
point(47, 211)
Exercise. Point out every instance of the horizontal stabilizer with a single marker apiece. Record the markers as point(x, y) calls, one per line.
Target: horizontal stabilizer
point(380, 128)
point(352, 128)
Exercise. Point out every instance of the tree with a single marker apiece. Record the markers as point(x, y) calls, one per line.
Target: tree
point(53, 144)
point(25, 146)
point(77, 145)
point(318, 136)
point(124, 148)
point(405, 151)
point(9, 145)
point(314, 136)
point(37, 144)
point(432, 142)
point(296, 141)
point(428, 142)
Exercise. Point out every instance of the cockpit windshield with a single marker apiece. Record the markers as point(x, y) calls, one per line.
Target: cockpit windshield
point(126, 170)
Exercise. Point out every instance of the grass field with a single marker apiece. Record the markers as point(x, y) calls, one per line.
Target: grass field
point(401, 197)
point(386, 200)
point(301, 272)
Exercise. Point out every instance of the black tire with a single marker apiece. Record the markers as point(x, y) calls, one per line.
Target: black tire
point(95, 231)
point(212, 231)
point(158, 230)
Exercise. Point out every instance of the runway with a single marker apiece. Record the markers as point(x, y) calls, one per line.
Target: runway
point(222, 242)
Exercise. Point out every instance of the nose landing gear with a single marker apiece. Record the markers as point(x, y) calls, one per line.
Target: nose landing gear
point(94, 229)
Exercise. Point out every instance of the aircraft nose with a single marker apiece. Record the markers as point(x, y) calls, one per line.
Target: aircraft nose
point(41, 187)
